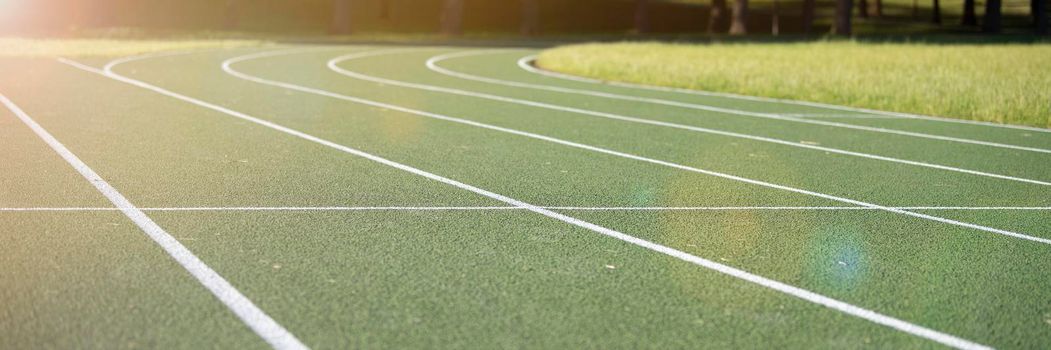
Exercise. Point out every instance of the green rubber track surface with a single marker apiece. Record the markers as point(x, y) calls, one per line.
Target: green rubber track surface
point(347, 252)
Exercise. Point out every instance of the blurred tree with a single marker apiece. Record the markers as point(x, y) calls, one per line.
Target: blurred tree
point(642, 16)
point(107, 14)
point(991, 20)
point(530, 18)
point(843, 14)
point(775, 19)
point(863, 8)
point(717, 17)
point(969, 17)
point(808, 16)
point(1039, 11)
point(936, 12)
point(340, 17)
point(452, 17)
point(739, 22)
point(384, 9)
point(231, 14)
point(1032, 9)
point(877, 8)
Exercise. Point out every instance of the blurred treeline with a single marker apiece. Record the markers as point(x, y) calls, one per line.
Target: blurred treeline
point(525, 17)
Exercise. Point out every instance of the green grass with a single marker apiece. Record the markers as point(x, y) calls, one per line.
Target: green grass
point(492, 279)
point(999, 83)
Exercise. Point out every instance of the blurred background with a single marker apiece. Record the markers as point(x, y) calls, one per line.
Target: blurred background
point(524, 17)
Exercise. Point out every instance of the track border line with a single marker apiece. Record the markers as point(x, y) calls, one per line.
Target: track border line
point(698, 106)
point(527, 63)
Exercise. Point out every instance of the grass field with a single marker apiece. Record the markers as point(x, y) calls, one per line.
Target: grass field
point(444, 197)
point(1002, 83)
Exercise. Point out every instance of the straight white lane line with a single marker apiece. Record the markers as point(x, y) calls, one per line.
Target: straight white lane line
point(206, 209)
point(789, 208)
point(268, 329)
point(432, 64)
point(332, 64)
point(526, 63)
point(797, 292)
point(398, 208)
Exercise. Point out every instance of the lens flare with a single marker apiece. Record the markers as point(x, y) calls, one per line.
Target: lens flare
point(836, 259)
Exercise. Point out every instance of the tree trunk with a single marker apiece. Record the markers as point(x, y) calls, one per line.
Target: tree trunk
point(340, 17)
point(717, 16)
point(991, 21)
point(1032, 9)
point(384, 9)
point(775, 19)
point(108, 18)
point(843, 11)
point(808, 16)
point(863, 8)
point(452, 17)
point(877, 8)
point(230, 14)
point(738, 24)
point(915, 9)
point(642, 16)
point(936, 12)
point(969, 17)
point(530, 18)
point(1039, 9)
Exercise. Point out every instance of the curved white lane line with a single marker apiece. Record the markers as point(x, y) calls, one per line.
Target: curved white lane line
point(333, 64)
point(808, 121)
point(526, 64)
point(254, 317)
point(432, 64)
point(838, 116)
point(797, 292)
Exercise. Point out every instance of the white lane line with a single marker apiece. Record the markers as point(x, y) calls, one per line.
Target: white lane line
point(839, 115)
point(268, 329)
point(780, 117)
point(483, 208)
point(332, 65)
point(334, 208)
point(787, 208)
point(797, 292)
point(432, 64)
point(64, 209)
point(526, 63)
